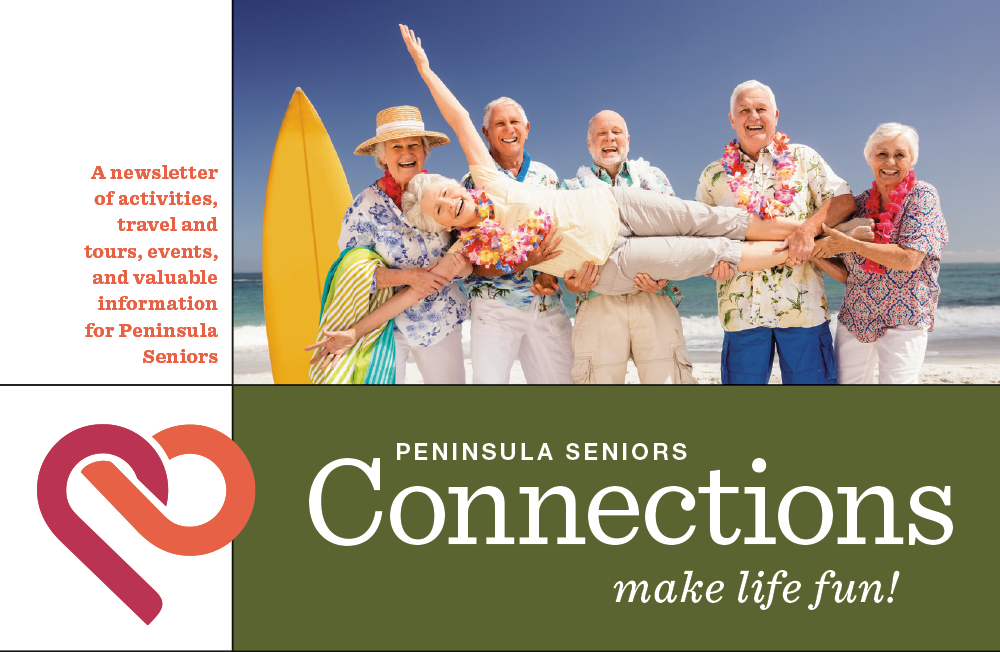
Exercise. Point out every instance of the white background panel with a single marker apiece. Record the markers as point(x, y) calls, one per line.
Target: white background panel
point(49, 599)
point(116, 84)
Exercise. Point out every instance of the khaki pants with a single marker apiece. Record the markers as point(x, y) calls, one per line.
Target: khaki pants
point(667, 237)
point(646, 327)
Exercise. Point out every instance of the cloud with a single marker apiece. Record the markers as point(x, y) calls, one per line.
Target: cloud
point(980, 256)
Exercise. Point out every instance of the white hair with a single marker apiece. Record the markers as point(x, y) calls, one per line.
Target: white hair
point(888, 131)
point(379, 151)
point(747, 85)
point(501, 101)
point(415, 189)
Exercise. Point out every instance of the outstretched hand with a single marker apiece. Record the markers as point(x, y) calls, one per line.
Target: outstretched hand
point(413, 45)
point(333, 348)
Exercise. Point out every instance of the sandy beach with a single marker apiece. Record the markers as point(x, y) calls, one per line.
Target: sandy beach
point(963, 348)
point(948, 362)
point(958, 373)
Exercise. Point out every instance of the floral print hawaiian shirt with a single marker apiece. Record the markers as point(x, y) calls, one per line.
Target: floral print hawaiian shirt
point(874, 303)
point(514, 289)
point(780, 297)
point(374, 221)
point(654, 179)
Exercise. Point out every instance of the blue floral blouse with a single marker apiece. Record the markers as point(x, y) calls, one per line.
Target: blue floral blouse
point(374, 221)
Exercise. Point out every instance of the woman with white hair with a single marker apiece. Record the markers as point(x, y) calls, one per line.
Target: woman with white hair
point(892, 283)
point(431, 328)
point(630, 230)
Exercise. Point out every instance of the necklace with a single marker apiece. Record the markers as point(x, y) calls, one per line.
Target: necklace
point(746, 195)
point(392, 189)
point(884, 220)
point(490, 244)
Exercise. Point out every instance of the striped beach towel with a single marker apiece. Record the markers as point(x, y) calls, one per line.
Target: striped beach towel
point(346, 299)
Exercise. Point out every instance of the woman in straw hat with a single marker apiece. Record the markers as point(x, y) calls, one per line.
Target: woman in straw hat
point(430, 328)
point(625, 230)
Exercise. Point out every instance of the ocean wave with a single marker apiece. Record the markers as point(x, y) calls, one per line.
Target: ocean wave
point(247, 280)
point(967, 321)
point(703, 332)
point(249, 339)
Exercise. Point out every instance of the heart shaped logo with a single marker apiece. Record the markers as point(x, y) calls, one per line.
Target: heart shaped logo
point(131, 503)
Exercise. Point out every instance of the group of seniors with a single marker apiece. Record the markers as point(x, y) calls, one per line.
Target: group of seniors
point(770, 218)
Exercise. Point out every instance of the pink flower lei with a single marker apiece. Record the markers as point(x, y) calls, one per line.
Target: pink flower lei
point(746, 195)
point(885, 220)
point(392, 189)
point(489, 244)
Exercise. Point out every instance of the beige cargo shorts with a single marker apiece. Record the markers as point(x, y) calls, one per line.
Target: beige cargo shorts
point(610, 329)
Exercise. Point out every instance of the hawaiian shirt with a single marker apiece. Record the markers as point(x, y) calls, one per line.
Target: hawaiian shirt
point(374, 221)
point(874, 303)
point(783, 296)
point(514, 289)
point(653, 180)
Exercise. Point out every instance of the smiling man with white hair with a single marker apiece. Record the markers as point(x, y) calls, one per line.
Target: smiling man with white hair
point(509, 319)
point(644, 325)
point(783, 307)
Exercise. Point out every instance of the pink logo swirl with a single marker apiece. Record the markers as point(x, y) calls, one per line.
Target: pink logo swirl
point(145, 517)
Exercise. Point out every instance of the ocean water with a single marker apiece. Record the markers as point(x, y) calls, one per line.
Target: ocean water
point(967, 319)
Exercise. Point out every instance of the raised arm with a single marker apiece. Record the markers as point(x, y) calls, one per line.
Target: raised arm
point(454, 113)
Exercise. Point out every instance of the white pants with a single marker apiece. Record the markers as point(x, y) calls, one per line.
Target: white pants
point(898, 355)
point(542, 341)
point(441, 363)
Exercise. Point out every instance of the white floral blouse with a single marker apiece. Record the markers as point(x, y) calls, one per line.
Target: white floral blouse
point(375, 222)
point(780, 297)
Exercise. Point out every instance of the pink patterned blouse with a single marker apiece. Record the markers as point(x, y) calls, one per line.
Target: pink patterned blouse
point(874, 303)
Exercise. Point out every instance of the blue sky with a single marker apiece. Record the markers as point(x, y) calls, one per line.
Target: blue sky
point(837, 70)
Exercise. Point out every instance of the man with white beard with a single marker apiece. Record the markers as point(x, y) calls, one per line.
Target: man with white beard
point(644, 325)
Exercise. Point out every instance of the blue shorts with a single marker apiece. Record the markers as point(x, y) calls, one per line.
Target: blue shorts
point(805, 356)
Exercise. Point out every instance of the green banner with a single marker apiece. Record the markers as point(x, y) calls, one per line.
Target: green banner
point(743, 511)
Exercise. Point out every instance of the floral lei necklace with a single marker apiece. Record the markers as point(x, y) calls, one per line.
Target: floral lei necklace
point(884, 220)
point(746, 195)
point(393, 190)
point(489, 244)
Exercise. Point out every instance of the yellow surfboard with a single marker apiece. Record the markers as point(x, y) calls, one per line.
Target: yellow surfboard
point(307, 196)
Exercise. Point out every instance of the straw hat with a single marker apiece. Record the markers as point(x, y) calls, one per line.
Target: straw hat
point(399, 122)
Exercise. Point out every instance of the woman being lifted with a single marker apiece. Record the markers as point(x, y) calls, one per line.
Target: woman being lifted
point(624, 230)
